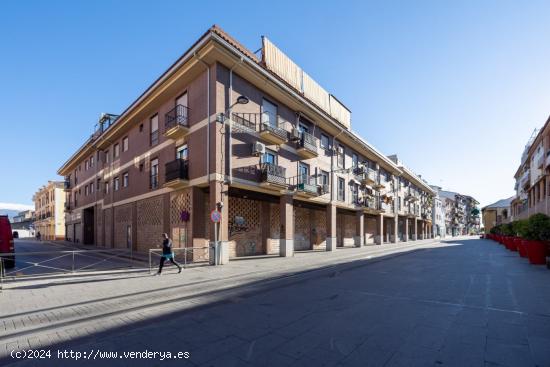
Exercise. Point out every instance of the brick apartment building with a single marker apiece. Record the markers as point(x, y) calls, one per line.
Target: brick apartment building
point(255, 137)
point(49, 203)
point(532, 176)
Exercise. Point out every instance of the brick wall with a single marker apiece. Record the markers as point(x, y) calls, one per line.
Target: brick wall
point(108, 220)
point(149, 223)
point(123, 219)
point(246, 239)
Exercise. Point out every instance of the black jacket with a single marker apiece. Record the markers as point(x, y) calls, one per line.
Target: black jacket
point(166, 246)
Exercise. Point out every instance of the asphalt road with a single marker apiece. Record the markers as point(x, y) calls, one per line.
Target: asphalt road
point(463, 303)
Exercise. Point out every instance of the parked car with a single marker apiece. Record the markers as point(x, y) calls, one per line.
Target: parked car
point(15, 234)
point(6, 242)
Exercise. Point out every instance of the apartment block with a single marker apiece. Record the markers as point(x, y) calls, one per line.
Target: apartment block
point(461, 213)
point(254, 137)
point(49, 202)
point(532, 176)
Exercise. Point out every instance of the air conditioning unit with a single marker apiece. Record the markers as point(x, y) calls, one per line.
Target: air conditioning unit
point(295, 135)
point(258, 148)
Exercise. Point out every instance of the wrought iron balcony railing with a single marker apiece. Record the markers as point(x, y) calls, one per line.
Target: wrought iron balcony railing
point(178, 116)
point(177, 170)
point(304, 184)
point(309, 142)
point(273, 174)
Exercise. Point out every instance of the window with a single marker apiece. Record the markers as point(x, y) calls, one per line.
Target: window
point(340, 156)
point(354, 160)
point(182, 152)
point(355, 193)
point(106, 187)
point(116, 151)
point(125, 180)
point(303, 173)
point(341, 189)
point(399, 203)
point(107, 156)
point(324, 142)
point(91, 188)
point(269, 113)
point(86, 190)
point(323, 178)
point(182, 101)
point(269, 157)
point(125, 144)
point(154, 130)
point(154, 183)
point(91, 161)
point(86, 165)
point(97, 187)
point(116, 183)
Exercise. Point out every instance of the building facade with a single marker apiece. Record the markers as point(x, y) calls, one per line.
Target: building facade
point(461, 213)
point(49, 202)
point(254, 138)
point(532, 177)
point(497, 213)
point(438, 215)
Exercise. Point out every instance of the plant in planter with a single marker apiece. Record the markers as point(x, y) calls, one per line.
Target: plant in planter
point(520, 229)
point(537, 234)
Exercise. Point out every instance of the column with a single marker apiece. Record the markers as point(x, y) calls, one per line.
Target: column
point(415, 235)
point(286, 242)
point(219, 200)
point(406, 229)
point(331, 227)
point(395, 229)
point(379, 239)
point(359, 229)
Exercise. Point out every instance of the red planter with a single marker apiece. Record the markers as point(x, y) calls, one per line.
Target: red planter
point(522, 248)
point(514, 243)
point(536, 251)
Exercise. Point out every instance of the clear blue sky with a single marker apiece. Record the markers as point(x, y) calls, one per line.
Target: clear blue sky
point(454, 88)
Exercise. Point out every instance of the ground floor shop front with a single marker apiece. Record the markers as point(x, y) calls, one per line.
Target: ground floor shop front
point(252, 223)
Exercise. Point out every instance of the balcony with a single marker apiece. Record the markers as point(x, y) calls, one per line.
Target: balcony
point(379, 183)
point(245, 121)
point(305, 186)
point(368, 177)
point(411, 197)
point(177, 173)
point(67, 206)
point(547, 160)
point(67, 184)
point(273, 176)
point(176, 122)
point(525, 181)
point(307, 146)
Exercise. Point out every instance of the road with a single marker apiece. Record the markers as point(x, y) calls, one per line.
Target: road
point(42, 257)
point(461, 303)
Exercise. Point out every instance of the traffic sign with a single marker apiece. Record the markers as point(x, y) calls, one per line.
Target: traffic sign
point(215, 216)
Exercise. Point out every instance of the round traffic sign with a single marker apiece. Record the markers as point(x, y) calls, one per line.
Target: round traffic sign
point(215, 216)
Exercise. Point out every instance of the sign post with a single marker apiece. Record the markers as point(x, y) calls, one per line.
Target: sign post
point(215, 217)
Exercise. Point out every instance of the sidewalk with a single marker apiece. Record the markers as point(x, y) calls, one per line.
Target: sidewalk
point(57, 310)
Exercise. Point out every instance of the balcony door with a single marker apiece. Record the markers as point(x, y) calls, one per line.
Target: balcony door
point(303, 173)
point(269, 113)
point(182, 152)
point(181, 112)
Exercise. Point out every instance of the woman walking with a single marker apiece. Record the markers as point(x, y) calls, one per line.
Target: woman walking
point(167, 253)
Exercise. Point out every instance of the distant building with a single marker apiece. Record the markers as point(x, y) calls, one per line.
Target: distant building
point(49, 202)
point(438, 215)
point(497, 213)
point(23, 224)
point(461, 213)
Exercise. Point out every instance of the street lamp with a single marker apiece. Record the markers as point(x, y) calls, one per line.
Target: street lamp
point(242, 100)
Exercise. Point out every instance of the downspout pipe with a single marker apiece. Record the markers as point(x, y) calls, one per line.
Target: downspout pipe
point(230, 154)
point(207, 114)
